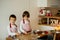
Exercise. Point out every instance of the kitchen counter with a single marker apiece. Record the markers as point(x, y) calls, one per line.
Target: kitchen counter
point(24, 37)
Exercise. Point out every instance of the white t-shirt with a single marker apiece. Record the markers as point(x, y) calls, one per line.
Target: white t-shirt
point(12, 30)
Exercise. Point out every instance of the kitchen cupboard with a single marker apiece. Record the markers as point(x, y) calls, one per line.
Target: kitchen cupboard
point(48, 3)
point(42, 3)
point(53, 3)
point(47, 20)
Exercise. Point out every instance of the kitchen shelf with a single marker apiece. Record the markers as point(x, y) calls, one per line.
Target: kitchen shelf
point(46, 20)
point(49, 17)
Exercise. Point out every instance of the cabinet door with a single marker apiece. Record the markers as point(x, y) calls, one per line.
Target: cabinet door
point(59, 3)
point(53, 3)
point(42, 3)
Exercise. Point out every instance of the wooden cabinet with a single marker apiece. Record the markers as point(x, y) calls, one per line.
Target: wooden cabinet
point(42, 3)
point(53, 3)
point(58, 36)
point(46, 20)
point(48, 3)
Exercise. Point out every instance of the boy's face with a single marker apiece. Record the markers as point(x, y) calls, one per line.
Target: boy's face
point(12, 20)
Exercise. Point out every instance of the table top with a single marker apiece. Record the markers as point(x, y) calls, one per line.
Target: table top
point(30, 36)
point(27, 37)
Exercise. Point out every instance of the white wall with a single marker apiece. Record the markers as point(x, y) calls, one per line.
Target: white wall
point(16, 7)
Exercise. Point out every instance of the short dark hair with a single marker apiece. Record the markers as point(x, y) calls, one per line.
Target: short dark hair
point(26, 13)
point(13, 16)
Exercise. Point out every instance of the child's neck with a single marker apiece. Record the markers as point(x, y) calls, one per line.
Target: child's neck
point(12, 23)
point(25, 19)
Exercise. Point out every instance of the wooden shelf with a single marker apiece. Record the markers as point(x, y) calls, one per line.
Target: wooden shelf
point(49, 17)
point(45, 24)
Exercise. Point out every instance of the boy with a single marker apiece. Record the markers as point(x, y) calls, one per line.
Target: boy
point(12, 27)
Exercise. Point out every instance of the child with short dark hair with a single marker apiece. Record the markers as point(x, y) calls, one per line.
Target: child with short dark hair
point(12, 27)
point(25, 23)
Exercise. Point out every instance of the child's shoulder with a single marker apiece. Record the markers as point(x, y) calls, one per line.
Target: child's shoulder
point(21, 21)
point(16, 25)
point(28, 20)
point(8, 26)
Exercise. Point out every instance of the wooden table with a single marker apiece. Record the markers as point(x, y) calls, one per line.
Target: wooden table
point(27, 37)
point(30, 36)
point(24, 37)
point(57, 36)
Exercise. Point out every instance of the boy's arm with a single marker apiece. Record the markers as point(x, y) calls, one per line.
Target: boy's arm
point(9, 31)
point(18, 30)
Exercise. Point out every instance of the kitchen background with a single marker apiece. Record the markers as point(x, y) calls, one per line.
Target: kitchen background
point(17, 7)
